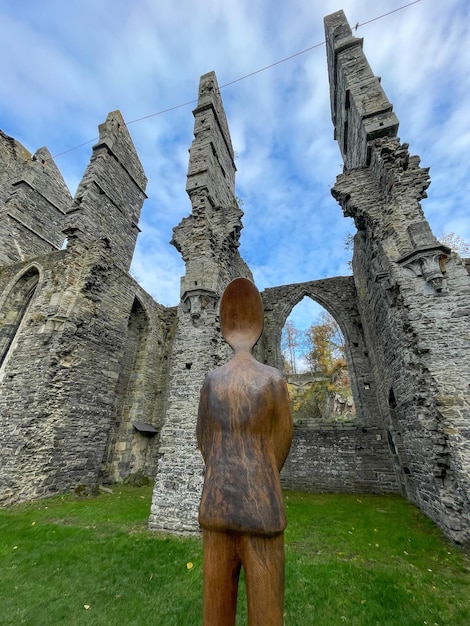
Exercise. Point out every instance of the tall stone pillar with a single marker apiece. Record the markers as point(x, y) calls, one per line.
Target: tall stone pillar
point(208, 241)
point(413, 293)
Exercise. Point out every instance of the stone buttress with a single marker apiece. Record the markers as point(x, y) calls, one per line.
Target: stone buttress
point(64, 314)
point(34, 201)
point(413, 293)
point(208, 241)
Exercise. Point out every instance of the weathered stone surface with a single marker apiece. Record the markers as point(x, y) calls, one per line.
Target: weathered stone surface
point(33, 202)
point(360, 109)
point(115, 182)
point(99, 383)
point(82, 347)
point(340, 458)
point(412, 296)
point(208, 240)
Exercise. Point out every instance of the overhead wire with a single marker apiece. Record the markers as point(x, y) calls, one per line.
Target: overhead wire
point(244, 77)
point(374, 19)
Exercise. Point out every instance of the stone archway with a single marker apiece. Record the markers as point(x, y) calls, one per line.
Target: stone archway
point(129, 437)
point(337, 457)
point(338, 297)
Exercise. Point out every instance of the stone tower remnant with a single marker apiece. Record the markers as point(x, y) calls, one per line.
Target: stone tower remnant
point(413, 294)
point(208, 240)
point(81, 344)
point(99, 383)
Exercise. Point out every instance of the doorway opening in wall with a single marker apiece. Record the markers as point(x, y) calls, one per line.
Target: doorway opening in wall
point(314, 360)
point(129, 440)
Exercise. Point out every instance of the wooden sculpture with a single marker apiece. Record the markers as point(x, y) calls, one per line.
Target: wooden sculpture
point(244, 431)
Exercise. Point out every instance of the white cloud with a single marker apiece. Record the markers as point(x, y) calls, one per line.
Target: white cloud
point(65, 65)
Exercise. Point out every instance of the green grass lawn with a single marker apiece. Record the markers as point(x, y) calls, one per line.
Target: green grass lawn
point(349, 560)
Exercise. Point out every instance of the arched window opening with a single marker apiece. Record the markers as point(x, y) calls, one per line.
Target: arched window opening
point(13, 313)
point(314, 359)
point(127, 445)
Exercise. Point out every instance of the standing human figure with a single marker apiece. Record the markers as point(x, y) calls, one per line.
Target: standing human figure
point(244, 431)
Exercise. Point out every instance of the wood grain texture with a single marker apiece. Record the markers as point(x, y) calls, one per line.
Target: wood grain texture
point(244, 432)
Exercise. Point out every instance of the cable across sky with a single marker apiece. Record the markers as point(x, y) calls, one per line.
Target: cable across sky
point(239, 79)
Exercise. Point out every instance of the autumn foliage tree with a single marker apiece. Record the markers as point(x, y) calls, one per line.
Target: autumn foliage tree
point(290, 345)
point(325, 346)
point(455, 242)
point(324, 351)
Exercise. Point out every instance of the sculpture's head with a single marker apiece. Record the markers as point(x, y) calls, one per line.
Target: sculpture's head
point(241, 315)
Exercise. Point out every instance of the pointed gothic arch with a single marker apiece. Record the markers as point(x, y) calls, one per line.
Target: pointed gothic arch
point(14, 306)
point(129, 437)
point(338, 297)
point(317, 394)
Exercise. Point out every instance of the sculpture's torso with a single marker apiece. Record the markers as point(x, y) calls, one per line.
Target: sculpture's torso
point(238, 416)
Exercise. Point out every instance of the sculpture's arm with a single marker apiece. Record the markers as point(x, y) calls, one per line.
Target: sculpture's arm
point(283, 426)
point(202, 412)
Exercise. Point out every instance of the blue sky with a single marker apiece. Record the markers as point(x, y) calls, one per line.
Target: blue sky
point(65, 65)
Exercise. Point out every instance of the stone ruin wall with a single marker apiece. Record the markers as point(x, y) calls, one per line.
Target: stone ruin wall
point(417, 332)
point(64, 317)
point(412, 292)
point(99, 383)
point(351, 457)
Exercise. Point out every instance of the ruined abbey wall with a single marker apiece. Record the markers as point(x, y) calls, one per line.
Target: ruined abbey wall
point(413, 294)
point(208, 240)
point(100, 384)
point(64, 319)
point(342, 457)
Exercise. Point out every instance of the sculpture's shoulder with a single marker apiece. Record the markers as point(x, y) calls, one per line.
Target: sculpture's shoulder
point(216, 373)
point(268, 372)
point(214, 377)
point(242, 367)
point(273, 372)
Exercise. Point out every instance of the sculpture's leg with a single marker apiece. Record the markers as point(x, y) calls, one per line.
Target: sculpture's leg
point(263, 562)
point(221, 574)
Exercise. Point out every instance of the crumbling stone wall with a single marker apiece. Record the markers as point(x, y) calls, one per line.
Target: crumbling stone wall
point(208, 240)
point(352, 457)
point(57, 415)
point(343, 458)
point(413, 294)
point(64, 320)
